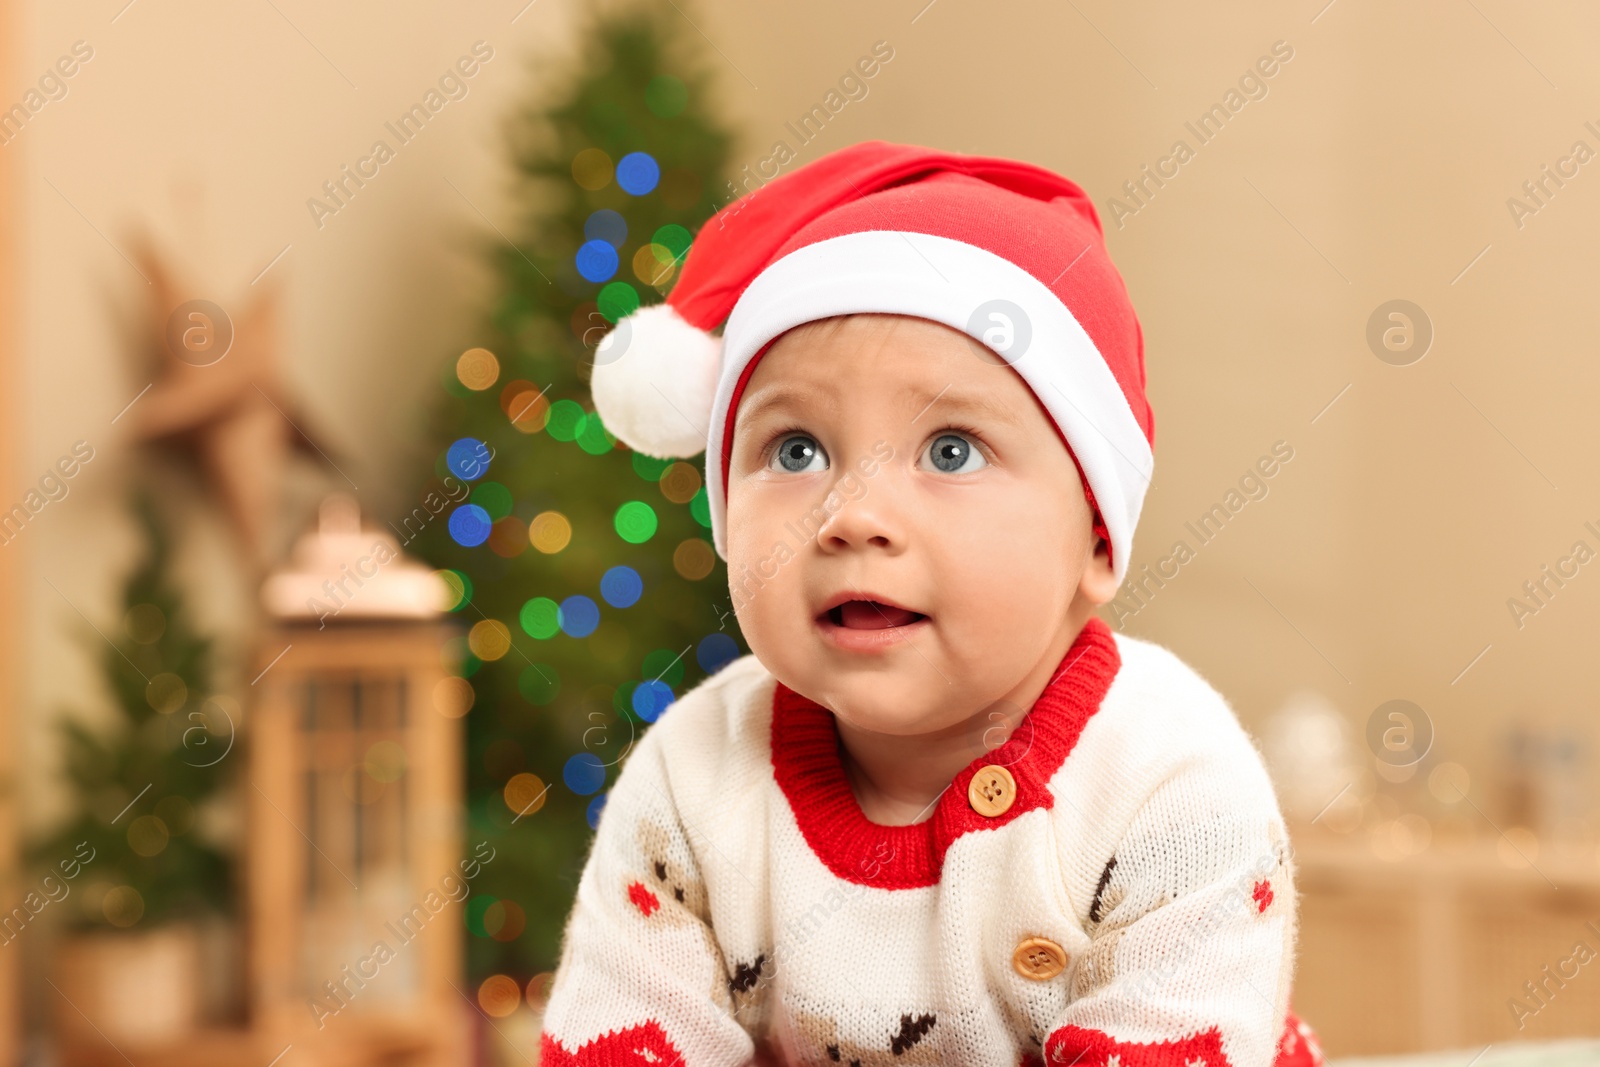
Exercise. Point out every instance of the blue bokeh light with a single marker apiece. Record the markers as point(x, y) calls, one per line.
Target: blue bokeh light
point(595, 807)
point(606, 225)
point(597, 261)
point(470, 525)
point(716, 651)
point(651, 698)
point(584, 773)
point(638, 173)
point(579, 616)
point(468, 459)
point(621, 587)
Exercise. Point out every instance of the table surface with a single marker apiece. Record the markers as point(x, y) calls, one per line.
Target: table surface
point(1581, 1052)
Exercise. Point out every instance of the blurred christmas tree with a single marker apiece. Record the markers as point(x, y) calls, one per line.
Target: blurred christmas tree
point(585, 571)
point(141, 785)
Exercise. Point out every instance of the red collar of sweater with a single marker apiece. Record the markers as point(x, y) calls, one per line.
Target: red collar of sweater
point(806, 762)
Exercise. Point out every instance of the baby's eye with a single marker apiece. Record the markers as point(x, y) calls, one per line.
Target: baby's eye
point(952, 454)
point(797, 452)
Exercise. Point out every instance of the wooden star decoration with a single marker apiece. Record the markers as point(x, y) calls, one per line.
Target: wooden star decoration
point(217, 396)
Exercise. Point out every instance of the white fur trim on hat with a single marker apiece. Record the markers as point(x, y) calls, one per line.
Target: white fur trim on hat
point(947, 281)
point(655, 379)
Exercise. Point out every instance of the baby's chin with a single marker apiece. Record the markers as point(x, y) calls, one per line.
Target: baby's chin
point(914, 711)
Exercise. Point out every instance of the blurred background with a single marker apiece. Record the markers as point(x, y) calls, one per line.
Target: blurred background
point(332, 606)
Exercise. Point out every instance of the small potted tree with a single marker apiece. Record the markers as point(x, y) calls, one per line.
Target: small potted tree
point(147, 878)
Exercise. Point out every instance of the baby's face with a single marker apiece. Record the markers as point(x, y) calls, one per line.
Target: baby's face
point(898, 465)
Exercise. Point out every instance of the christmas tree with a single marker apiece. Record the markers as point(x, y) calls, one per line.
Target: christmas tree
point(583, 572)
point(141, 785)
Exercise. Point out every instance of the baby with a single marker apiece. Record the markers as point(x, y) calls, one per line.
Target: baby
point(941, 814)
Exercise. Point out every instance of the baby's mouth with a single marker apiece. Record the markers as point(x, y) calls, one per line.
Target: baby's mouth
point(870, 615)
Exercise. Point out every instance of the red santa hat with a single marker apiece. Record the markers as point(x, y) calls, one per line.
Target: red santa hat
point(1009, 253)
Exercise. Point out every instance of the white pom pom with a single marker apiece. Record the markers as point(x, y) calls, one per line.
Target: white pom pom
point(654, 382)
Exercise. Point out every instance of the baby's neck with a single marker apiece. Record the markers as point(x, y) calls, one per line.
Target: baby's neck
point(897, 778)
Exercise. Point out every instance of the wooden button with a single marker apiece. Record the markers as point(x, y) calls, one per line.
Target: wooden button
point(1039, 958)
point(992, 791)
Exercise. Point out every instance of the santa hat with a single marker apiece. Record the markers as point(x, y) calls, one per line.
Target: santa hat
point(1007, 252)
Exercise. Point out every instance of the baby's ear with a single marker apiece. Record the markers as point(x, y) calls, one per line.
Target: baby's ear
point(1098, 585)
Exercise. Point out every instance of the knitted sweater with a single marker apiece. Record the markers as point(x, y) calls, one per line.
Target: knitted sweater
point(1112, 886)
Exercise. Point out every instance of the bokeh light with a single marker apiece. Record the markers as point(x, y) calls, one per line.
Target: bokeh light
point(499, 996)
point(591, 169)
point(508, 538)
point(579, 616)
point(592, 435)
point(145, 623)
point(654, 265)
point(715, 652)
point(525, 405)
point(700, 508)
point(584, 773)
point(621, 587)
point(489, 639)
point(470, 525)
point(694, 558)
point(504, 920)
point(638, 173)
point(666, 96)
point(528, 410)
point(538, 990)
point(457, 588)
point(539, 683)
point(680, 482)
point(649, 468)
point(550, 532)
point(565, 417)
point(123, 906)
point(606, 225)
point(453, 697)
point(467, 459)
point(674, 238)
point(147, 835)
point(166, 693)
point(665, 664)
point(493, 498)
point(595, 807)
point(540, 618)
point(635, 522)
point(477, 369)
point(651, 698)
point(524, 794)
point(596, 261)
point(617, 300)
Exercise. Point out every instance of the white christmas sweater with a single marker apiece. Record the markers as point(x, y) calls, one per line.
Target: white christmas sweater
point(1111, 886)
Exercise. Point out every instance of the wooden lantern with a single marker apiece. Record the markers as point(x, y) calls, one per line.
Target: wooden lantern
point(356, 873)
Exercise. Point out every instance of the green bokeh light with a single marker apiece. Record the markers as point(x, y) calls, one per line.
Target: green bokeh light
point(540, 618)
point(635, 522)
